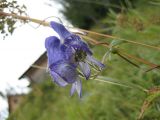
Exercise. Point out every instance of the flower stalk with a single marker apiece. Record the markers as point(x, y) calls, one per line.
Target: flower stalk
point(92, 41)
point(44, 23)
point(25, 18)
point(119, 51)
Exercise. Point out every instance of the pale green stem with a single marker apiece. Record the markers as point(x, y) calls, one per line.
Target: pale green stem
point(119, 84)
point(44, 23)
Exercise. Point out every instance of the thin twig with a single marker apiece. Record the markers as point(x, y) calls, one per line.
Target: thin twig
point(100, 80)
point(39, 67)
point(44, 23)
point(87, 31)
point(155, 67)
point(118, 38)
point(134, 64)
point(122, 52)
point(119, 84)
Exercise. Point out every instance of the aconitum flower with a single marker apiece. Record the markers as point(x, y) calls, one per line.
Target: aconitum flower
point(82, 53)
point(61, 64)
point(66, 55)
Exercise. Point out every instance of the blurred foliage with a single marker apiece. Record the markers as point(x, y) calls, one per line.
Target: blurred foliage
point(102, 101)
point(7, 24)
point(86, 13)
point(1, 94)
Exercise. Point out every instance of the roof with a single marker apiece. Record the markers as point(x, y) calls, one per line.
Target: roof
point(43, 57)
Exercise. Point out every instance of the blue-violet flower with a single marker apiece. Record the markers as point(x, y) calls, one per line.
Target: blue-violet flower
point(61, 65)
point(65, 55)
point(83, 55)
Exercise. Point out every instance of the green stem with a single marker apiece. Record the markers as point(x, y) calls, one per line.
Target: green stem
point(117, 38)
point(93, 41)
point(44, 23)
point(91, 32)
point(123, 85)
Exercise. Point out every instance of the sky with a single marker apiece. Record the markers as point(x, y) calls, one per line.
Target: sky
point(19, 51)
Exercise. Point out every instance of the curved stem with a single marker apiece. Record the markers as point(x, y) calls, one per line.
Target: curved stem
point(123, 85)
point(121, 52)
point(117, 38)
point(44, 23)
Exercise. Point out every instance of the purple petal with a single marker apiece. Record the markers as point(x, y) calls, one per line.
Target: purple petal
point(68, 53)
point(54, 52)
point(52, 41)
point(94, 61)
point(57, 79)
point(85, 69)
point(60, 29)
point(66, 71)
point(77, 86)
point(76, 42)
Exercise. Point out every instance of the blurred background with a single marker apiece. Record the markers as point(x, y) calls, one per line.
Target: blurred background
point(27, 91)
